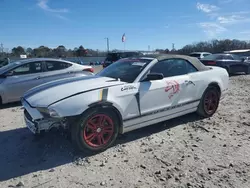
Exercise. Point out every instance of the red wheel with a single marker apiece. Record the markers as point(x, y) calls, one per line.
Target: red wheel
point(96, 130)
point(209, 102)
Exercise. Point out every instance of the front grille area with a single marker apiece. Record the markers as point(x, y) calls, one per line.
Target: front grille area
point(27, 115)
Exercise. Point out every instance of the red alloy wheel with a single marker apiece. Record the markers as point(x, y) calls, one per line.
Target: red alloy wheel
point(211, 102)
point(99, 130)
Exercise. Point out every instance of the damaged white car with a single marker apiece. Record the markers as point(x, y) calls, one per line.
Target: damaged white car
point(129, 94)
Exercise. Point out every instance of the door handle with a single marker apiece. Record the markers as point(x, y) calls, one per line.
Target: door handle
point(187, 82)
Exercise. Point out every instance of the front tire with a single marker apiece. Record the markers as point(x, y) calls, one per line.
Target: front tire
point(96, 130)
point(209, 102)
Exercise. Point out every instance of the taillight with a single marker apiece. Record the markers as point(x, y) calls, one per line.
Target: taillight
point(89, 70)
point(211, 63)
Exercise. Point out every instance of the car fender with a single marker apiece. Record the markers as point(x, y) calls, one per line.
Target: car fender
point(78, 104)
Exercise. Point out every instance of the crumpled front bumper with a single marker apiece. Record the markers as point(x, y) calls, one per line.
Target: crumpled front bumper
point(35, 121)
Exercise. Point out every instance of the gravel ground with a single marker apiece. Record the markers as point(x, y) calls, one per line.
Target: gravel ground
point(183, 152)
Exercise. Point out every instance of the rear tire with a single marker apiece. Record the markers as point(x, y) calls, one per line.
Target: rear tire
point(209, 102)
point(96, 130)
point(227, 69)
point(247, 70)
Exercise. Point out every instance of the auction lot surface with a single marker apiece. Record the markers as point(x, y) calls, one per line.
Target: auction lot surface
point(184, 152)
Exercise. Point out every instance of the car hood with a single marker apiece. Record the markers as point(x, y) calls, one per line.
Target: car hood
point(51, 92)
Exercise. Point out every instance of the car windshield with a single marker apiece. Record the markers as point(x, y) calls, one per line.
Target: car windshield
point(211, 57)
point(195, 55)
point(9, 66)
point(125, 69)
point(112, 57)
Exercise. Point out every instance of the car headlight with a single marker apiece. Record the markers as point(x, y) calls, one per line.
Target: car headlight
point(53, 113)
point(43, 110)
point(48, 112)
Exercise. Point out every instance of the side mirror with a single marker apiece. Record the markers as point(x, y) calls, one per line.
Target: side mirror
point(154, 76)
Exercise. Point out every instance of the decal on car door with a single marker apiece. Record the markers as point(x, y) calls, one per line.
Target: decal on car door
point(172, 87)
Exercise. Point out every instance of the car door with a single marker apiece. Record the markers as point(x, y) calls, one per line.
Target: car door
point(21, 79)
point(174, 93)
point(55, 70)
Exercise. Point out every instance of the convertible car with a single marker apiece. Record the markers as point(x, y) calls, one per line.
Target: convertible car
point(129, 94)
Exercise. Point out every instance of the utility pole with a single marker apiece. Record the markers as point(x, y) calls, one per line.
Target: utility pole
point(1, 47)
point(148, 47)
point(107, 43)
point(172, 46)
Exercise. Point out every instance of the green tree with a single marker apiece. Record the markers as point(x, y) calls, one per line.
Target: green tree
point(81, 51)
point(17, 51)
point(60, 51)
point(42, 51)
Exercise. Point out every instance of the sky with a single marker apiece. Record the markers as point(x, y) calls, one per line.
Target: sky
point(158, 23)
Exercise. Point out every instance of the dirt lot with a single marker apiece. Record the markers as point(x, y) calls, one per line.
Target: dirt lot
point(184, 152)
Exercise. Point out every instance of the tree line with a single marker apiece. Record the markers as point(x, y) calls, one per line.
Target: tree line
point(213, 46)
point(60, 51)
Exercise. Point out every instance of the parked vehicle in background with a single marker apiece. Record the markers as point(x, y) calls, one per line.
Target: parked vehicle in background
point(4, 61)
point(231, 62)
point(114, 56)
point(246, 58)
point(20, 76)
point(199, 55)
point(129, 94)
point(241, 53)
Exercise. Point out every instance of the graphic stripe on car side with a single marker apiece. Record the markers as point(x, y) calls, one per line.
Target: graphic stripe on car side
point(100, 94)
point(137, 96)
point(163, 110)
point(159, 117)
point(105, 94)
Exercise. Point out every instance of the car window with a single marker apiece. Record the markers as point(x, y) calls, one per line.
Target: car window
point(212, 57)
point(29, 68)
point(56, 65)
point(228, 57)
point(236, 57)
point(190, 68)
point(204, 55)
point(173, 67)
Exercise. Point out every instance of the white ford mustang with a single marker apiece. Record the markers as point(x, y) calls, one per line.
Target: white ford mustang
point(129, 94)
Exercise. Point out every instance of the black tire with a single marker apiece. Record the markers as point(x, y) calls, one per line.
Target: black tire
point(203, 108)
point(81, 129)
point(227, 69)
point(247, 70)
point(1, 102)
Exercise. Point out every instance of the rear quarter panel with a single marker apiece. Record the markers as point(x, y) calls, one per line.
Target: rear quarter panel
point(220, 76)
